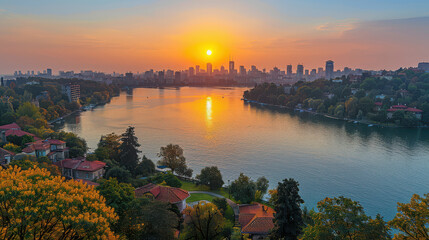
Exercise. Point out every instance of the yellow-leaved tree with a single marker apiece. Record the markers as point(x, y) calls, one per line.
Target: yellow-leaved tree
point(36, 205)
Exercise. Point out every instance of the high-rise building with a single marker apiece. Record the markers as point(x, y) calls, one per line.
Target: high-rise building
point(289, 70)
point(231, 67)
point(209, 69)
point(177, 76)
point(2, 82)
point(329, 70)
point(307, 72)
point(242, 70)
point(424, 66)
point(313, 72)
point(191, 71)
point(197, 70)
point(299, 71)
point(72, 91)
point(49, 72)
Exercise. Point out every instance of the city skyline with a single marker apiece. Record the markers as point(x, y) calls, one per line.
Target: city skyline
point(134, 35)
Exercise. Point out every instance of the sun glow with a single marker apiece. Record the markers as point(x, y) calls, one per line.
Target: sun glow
point(209, 52)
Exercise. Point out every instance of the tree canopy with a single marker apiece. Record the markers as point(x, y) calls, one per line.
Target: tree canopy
point(211, 177)
point(36, 205)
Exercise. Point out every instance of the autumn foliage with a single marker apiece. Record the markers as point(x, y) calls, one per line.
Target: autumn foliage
point(36, 205)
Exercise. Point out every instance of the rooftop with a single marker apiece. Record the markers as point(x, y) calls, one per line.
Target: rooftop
point(256, 219)
point(81, 164)
point(163, 193)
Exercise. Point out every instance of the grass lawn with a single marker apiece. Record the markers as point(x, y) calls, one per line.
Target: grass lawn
point(189, 186)
point(198, 197)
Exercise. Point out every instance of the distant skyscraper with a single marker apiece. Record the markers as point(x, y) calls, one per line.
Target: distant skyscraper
point(197, 69)
point(2, 82)
point(177, 76)
point(191, 71)
point(313, 72)
point(299, 71)
point(231, 67)
point(49, 72)
point(209, 69)
point(306, 72)
point(289, 70)
point(329, 69)
point(242, 70)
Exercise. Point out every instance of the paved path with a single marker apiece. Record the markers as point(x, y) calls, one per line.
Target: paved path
point(233, 205)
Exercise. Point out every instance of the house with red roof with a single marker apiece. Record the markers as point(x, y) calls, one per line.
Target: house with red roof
point(256, 220)
point(13, 129)
point(80, 168)
point(176, 196)
point(6, 156)
point(417, 112)
point(54, 149)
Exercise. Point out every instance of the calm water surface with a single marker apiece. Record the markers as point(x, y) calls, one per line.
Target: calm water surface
point(376, 166)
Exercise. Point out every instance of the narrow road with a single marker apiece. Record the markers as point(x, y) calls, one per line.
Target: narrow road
point(233, 205)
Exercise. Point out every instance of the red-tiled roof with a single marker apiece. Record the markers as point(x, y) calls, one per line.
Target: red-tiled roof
point(10, 126)
point(89, 183)
point(378, 103)
point(254, 220)
point(413, 110)
point(399, 106)
point(4, 152)
point(18, 133)
point(163, 193)
point(81, 164)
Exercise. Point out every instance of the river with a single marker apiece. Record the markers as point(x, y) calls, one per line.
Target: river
point(376, 166)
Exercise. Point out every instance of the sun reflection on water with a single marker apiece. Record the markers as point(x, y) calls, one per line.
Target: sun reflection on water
point(209, 116)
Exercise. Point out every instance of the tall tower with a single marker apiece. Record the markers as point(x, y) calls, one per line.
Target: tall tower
point(289, 70)
point(2, 82)
point(231, 67)
point(209, 69)
point(197, 70)
point(329, 70)
point(299, 71)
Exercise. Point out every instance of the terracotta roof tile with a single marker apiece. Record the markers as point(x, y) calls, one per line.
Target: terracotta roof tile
point(163, 193)
point(254, 220)
point(81, 164)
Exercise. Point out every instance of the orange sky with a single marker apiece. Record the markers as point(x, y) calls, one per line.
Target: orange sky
point(171, 35)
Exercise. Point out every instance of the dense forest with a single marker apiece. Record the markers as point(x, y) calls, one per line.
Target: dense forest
point(368, 98)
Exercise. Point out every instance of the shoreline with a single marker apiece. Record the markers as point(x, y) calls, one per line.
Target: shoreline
point(350, 120)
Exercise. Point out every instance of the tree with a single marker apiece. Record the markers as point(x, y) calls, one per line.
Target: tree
point(128, 151)
point(342, 218)
point(203, 221)
point(211, 177)
point(117, 195)
point(412, 219)
point(28, 109)
point(146, 167)
point(36, 205)
point(28, 162)
point(288, 221)
point(262, 185)
point(168, 179)
point(221, 204)
point(149, 220)
point(121, 174)
point(172, 157)
point(12, 147)
point(108, 147)
point(366, 104)
point(243, 189)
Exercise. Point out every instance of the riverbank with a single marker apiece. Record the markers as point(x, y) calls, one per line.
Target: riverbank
point(351, 120)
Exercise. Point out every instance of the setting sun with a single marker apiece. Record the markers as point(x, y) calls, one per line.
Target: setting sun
point(209, 52)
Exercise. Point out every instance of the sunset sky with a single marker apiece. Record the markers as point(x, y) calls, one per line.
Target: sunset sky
point(137, 35)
